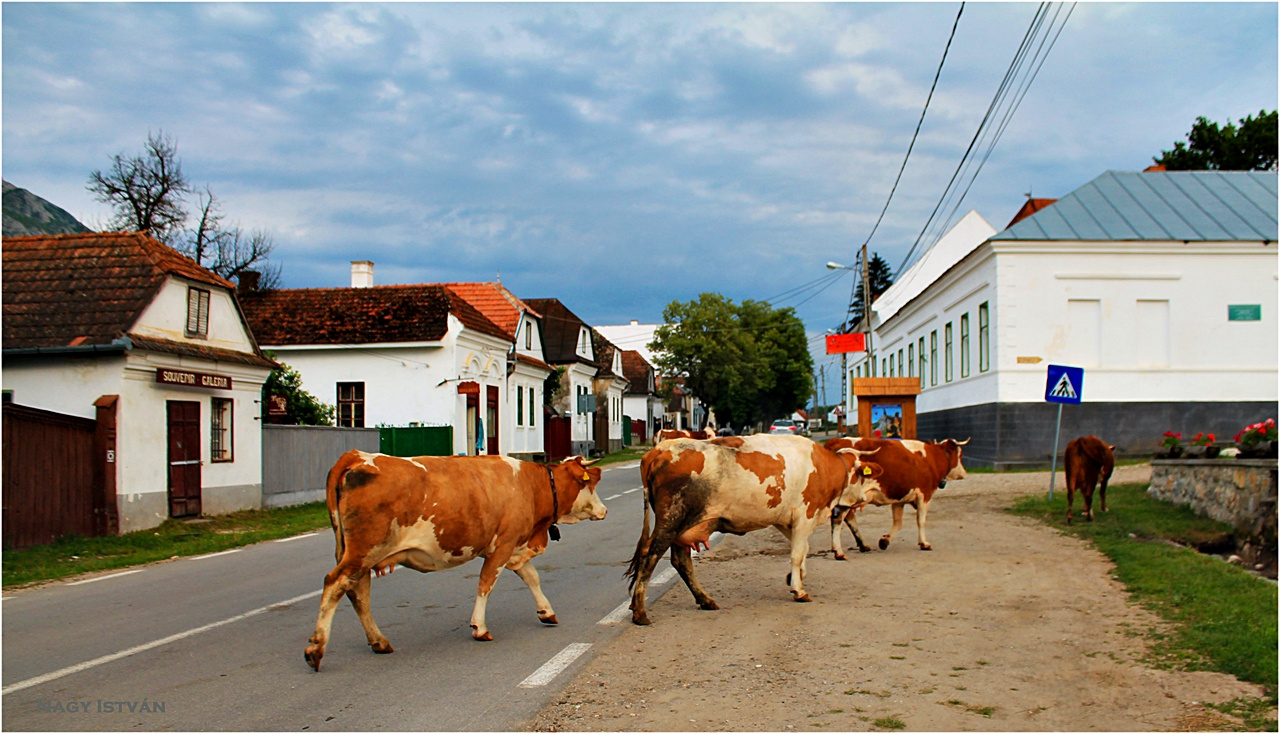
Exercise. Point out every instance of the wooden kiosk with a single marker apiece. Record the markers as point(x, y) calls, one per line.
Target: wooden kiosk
point(886, 404)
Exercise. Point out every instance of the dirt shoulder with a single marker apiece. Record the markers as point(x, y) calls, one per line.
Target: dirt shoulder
point(1005, 626)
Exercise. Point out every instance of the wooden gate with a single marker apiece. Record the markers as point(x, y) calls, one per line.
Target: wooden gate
point(557, 437)
point(50, 487)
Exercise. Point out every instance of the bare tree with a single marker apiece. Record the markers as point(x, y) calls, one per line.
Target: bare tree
point(145, 191)
point(226, 249)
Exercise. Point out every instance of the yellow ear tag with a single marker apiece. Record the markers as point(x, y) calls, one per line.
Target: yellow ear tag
point(586, 477)
point(866, 470)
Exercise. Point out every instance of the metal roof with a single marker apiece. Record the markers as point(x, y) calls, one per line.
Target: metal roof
point(1218, 206)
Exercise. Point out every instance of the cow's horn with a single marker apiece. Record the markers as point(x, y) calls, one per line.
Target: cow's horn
point(863, 453)
point(592, 462)
point(962, 443)
point(568, 459)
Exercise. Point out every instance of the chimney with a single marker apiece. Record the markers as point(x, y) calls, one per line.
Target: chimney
point(361, 273)
point(247, 281)
point(634, 322)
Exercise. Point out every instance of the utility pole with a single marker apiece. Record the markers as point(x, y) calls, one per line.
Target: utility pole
point(866, 307)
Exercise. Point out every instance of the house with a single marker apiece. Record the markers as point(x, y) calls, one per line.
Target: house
point(570, 346)
point(609, 386)
point(401, 355)
point(122, 324)
point(641, 401)
point(1161, 285)
point(638, 337)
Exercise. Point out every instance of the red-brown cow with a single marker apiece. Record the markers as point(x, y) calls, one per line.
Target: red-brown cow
point(913, 471)
point(1088, 460)
point(432, 513)
point(667, 434)
point(736, 485)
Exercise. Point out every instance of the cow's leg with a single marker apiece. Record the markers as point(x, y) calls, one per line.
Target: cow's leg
point(336, 583)
point(488, 577)
point(659, 542)
point(799, 551)
point(359, 597)
point(1088, 502)
point(851, 519)
point(1071, 496)
point(837, 542)
point(1102, 492)
point(682, 561)
point(529, 575)
point(897, 525)
point(922, 509)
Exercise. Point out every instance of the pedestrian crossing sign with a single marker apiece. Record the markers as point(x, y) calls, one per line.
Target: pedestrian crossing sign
point(1064, 384)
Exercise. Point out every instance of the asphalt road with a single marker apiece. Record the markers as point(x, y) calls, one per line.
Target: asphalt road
point(215, 643)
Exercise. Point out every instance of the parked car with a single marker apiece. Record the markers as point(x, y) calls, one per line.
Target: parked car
point(781, 427)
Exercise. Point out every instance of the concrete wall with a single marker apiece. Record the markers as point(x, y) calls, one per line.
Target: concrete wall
point(296, 460)
point(1238, 492)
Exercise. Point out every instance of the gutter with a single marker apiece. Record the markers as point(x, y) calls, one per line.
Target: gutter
point(118, 346)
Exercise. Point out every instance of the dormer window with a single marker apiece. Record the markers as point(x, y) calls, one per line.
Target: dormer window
point(528, 335)
point(584, 343)
point(197, 313)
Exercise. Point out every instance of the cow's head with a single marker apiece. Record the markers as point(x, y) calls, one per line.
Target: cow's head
point(576, 478)
point(952, 447)
point(859, 473)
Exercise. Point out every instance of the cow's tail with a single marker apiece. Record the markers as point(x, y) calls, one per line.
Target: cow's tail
point(642, 545)
point(1096, 451)
point(332, 490)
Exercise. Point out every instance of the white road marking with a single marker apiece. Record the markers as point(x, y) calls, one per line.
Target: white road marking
point(308, 535)
point(147, 646)
point(623, 611)
point(634, 489)
point(555, 666)
point(614, 497)
point(628, 465)
point(213, 555)
point(104, 578)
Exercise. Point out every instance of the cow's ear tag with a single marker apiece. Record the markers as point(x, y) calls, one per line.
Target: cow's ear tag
point(866, 470)
point(553, 532)
point(586, 477)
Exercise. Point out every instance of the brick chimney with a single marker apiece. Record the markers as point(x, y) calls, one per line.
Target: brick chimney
point(247, 281)
point(361, 273)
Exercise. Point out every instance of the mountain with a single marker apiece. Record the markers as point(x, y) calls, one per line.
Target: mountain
point(26, 213)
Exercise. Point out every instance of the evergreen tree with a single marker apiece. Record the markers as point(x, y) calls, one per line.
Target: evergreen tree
point(879, 277)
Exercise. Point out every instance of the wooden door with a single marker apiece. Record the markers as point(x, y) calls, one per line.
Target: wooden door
point(184, 458)
point(492, 424)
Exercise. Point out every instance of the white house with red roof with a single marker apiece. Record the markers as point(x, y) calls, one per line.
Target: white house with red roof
point(120, 325)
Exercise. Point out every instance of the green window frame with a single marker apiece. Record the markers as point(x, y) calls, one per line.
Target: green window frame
point(946, 353)
point(964, 345)
point(924, 361)
point(984, 337)
point(933, 357)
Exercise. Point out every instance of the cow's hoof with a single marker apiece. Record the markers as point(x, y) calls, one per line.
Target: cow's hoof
point(925, 546)
point(1089, 518)
point(1068, 520)
point(481, 636)
point(640, 619)
point(549, 619)
point(841, 557)
point(709, 605)
point(884, 543)
point(864, 549)
point(803, 597)
point(313, 655)
point(382, 648)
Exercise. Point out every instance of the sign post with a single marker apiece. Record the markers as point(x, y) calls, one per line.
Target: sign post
point(1064, 386)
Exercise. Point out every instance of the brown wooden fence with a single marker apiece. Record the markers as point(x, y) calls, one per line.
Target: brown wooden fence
point(50, 479)
point(557, 437)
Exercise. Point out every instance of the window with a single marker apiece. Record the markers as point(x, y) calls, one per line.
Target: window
point(946, 352)
point(519, 406)
point(923, 362)
point(531, 407)
point(984, 337)
point(900, 372)
point(964, 345)
point(220, 430)
point(528, 336)
point(890, 372)
point(933, 357)
point(197, 312)
point(911, 360)
point(884, 367)
point(351, 404)
point(859, 371)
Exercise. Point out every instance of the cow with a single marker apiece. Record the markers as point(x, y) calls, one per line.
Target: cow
point(912, 472)
point(1088, 459)
point(667, 434)
point(432, 513)
point(736, 485)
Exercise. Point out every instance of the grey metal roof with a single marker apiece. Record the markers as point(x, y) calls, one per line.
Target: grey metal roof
point(1160, 205)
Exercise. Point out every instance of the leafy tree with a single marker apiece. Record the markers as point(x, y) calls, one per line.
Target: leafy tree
point(746, 362)
point(148, 194)
point(879, 277)
point(1250, 147)
point(303, 407)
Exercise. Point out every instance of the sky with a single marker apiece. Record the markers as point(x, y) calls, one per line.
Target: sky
point(616, 156)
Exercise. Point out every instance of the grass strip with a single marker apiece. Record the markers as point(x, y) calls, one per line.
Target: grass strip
point(175, 538)
point(1224, 618)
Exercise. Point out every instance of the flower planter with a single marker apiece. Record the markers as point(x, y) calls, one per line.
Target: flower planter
point(1264, 450)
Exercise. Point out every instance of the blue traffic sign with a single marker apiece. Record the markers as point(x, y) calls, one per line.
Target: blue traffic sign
point(1064, 384)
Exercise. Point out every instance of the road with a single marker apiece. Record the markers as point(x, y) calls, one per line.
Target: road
point(216, 642)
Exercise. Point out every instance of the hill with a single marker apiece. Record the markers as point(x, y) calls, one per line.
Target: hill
point(25, 213)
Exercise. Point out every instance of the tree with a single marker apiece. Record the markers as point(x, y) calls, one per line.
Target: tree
point(1250, 147)
point(145, 191)
point(879, 277)
point(303, 407)
point(746, 362)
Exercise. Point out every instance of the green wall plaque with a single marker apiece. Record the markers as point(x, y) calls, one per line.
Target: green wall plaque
point(1244, 312)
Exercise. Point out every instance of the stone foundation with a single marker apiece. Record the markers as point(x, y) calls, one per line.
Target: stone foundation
point(1238, 492)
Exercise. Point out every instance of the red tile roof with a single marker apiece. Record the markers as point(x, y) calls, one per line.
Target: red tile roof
point(498, 304)
point(85, 289)
point(560, 331)
point(1029, 207)
point(378, 315)
point(637, 370)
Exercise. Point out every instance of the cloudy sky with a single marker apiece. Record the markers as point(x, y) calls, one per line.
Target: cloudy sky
point(615, 156)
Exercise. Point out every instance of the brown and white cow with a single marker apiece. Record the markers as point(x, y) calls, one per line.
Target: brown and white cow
point(668, 434)
point(432, 513)
point(736, 485)
point(1088, 459)
point(913, 471)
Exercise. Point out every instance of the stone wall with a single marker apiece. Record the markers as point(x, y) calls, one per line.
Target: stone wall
point(1239, 492)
